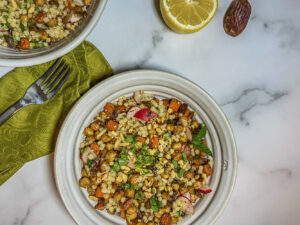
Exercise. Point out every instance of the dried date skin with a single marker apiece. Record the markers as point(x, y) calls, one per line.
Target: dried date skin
point(236, 17)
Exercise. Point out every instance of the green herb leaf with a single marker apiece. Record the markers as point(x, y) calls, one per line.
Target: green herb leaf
point(142, 171)
point(154, 204)
point(201, 134)
point(22, 26)
point(166, 136)
point(178, 214)
point(157, 153)
point(89, 163)
point(184, 157)
point(138, 145)
point(29, 23)
point(116, 167)
point(175, 163)
point(180, 172)
point(137, 196)
point(127, 186)
point(122, 162)
point(131, 139)
point(198, 141)
point(136, 187)
point(145, 147)
point(7, 24)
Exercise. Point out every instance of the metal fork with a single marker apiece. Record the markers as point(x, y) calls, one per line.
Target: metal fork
point(41, 90)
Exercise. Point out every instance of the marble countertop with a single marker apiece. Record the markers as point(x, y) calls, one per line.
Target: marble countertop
point(254, 77)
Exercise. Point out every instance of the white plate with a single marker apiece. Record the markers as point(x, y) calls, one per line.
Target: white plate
point(67, 165)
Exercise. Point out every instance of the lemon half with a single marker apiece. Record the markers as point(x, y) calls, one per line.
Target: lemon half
point(188, 16)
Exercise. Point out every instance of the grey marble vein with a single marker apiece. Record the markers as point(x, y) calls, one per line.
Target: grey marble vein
point(286, 32)
point(157, 39)
point(251, 98)
point(281, 171)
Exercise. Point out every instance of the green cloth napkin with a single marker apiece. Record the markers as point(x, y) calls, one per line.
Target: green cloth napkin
point(31, 132)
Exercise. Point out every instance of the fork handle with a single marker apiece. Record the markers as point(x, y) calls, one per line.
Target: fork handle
point(10, 111)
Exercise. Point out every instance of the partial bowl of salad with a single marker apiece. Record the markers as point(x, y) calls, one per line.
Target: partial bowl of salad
point(146, 148)
point(37, 31)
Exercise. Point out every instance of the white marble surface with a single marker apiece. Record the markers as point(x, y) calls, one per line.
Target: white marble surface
point(254, 77)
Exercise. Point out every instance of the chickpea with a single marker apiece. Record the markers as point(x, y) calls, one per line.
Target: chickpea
point(87, 2)
point(24, 18)
point(84, 182)
point(184, 121)
point(197, 185)
point(84, 173)
point(91, 191)
point(39, 2)
point(118, 195)
point(97, 135)
point(170, 127)
point(131, 213)
point(103, 115)
point(184, 138)
point(183, 190)
point(43, 35)
point(165, 195)
point(110, 156)
point(134, 179)
point(109, 146)
point(88, 132)
point(95, 126)
point(105, 138)
point(52, 23)
point(111, 212)
point(176, 146)
point(174, 220)
point(207, 169)
point(151, 223)
point(140, 223)
point(175, 187)
point(194, 124)
point(177, 156)
point(178, 129)
point(189, 175)
point(130, 193)
point(104, 166)
point(90, 139)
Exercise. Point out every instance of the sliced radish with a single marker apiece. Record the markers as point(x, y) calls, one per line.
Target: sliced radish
point(75, 18)
point(187, 195)
point(132, 111)
point(84, 156)
point(131, 165)
point(137, 97)
point(145, 114)
point(187, 207)
point(205, 190)
point(189, 134)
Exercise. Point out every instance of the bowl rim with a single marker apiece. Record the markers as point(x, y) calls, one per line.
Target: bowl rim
point(230, 183)
point(61, 51)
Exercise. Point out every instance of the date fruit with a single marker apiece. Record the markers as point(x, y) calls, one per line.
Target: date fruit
point(236, 17)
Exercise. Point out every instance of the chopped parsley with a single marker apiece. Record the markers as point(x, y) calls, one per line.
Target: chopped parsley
point(198, 141)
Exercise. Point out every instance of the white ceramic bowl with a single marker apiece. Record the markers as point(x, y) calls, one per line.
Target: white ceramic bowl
point(16, 58)
point(221, 141)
